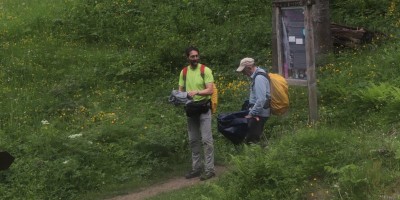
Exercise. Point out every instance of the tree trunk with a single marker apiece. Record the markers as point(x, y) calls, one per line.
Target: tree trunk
point(322, 30)
point(346, 36)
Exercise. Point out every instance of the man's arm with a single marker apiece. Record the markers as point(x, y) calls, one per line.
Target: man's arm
point(207, 91)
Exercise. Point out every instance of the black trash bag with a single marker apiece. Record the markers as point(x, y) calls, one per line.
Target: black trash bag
point(233, 126)
point(6, 159)
point(245, 105)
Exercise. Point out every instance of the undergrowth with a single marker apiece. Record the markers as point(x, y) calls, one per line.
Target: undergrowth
point(84, 87)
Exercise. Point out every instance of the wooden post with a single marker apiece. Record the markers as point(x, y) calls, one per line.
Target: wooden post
point(310, 60)
point(278, 39)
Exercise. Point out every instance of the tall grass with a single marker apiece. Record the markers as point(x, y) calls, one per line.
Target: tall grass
point(352, 152)
point(309, 164)
point(84, 87)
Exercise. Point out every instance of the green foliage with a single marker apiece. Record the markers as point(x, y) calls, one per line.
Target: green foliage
point(287, 166)
point(375, 96)
point(306, 163)
point(84, 84)
point(160, 30)
point(358, 82)
point(380, 16)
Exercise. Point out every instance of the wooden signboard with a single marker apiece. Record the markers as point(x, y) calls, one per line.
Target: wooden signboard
point(294, 46)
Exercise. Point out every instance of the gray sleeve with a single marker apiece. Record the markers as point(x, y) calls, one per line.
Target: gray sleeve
point(262, 93)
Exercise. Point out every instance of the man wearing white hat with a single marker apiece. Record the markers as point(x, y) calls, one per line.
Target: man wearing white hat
point(259, 107)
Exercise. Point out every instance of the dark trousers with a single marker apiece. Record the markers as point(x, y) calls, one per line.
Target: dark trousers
point(255, 130)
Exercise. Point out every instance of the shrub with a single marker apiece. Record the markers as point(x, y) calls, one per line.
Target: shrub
point(302, 164)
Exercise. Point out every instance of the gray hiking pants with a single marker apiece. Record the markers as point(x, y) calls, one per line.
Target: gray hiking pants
point(199, 130)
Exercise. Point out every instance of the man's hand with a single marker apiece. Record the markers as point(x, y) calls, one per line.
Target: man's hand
point(193, 93)
point(255, 117)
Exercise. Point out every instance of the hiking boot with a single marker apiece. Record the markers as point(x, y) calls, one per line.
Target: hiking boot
point(193, 174)
point(207, 175)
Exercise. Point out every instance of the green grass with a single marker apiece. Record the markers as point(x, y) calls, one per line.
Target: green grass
point(317, 162)
point(84, 87)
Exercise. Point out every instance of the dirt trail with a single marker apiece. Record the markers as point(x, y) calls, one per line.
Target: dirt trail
point(169, 185)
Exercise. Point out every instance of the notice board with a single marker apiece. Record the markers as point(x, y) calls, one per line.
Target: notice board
point(293, 42)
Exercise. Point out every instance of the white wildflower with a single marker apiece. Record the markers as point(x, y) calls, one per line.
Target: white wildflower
point(65, 162)
point(75, 135)
point(45, 122)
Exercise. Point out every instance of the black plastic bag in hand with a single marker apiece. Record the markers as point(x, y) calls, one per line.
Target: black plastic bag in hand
point(233, 126)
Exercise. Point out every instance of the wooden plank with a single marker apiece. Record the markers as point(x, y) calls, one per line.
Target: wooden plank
point(297, 82)
point(287, 3)
point(350, 36)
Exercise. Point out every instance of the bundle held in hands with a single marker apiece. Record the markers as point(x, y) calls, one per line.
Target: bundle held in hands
point(233, 126)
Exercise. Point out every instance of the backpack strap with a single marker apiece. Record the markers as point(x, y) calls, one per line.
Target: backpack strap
point(184, 73)
point(268, 102)
point(202, 68)
point(263, 74)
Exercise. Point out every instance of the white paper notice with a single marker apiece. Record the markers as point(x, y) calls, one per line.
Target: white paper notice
point(292, 39)
point(299, 41)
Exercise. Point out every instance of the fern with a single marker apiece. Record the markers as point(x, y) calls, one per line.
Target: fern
point(375, 96)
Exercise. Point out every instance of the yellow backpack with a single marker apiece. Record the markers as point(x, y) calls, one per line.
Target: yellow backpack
point(214, 96)
point(279, 91)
